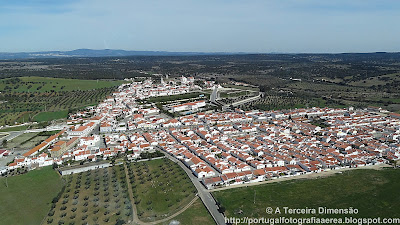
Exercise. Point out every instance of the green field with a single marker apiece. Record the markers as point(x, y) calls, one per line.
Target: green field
point(231, 94)
point(46, 116)
point(18, 128)
point(28, 197)
point(195, 214)
point(93, 197)
point(47, 84)
point(160, 188)
point(373, 192)
point(176, 97)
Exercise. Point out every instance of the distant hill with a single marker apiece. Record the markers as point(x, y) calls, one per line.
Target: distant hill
point(98, 53)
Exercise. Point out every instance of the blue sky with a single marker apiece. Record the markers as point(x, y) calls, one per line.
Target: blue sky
point(201, 25)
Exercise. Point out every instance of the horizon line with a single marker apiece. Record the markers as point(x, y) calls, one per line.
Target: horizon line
point(195, 52)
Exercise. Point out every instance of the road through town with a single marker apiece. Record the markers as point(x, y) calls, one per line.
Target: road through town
point(204, 195)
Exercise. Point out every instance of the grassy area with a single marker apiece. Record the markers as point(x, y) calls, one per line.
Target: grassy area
point(47, 116)
point(23, 138)
point(47, 84)
point(27, 198)
point(29, 144)
point(231, 94)
point(374, 193)
point(195, 214)
point(48, 133)
point(160, 188)
point(93, 197)
point(18, 128)
point(176, 97)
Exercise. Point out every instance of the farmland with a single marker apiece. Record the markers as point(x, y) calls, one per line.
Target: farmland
point(276, 101)
point(231, 94)
point(338, 79)
point(95, 197)
point(45, 116)
point(372, 192)
point(195, 214)
point(47, 84)
point(28, 195)
point(160, 188)
point(28, 99)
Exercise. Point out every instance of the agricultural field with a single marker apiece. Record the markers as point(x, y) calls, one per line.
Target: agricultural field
point(29, 99)
point(160, 188)
point(28, 197)
point(195, 214)
point(280, 101)
point(47, 84)
point(373, 192)
point(233, 93)
point(46, 116)
point(93, 197)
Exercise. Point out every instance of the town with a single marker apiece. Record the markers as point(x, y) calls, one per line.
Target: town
point(221, 148)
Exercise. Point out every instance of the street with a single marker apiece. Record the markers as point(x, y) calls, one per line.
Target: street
point(204, 195)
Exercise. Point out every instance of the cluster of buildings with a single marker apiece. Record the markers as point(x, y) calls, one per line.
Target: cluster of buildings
point(225, 148)
point(188, 106)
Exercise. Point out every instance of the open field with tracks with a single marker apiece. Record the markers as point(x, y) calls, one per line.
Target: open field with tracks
point(195, 214)
point(28, 197)
point(372, 192)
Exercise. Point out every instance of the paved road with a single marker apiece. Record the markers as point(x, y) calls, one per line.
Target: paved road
point(203, 193)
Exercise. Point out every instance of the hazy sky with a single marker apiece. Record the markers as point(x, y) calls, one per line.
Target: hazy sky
point(201, 25)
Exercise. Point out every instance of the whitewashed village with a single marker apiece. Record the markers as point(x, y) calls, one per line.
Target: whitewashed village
point(221, 147)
